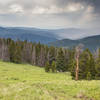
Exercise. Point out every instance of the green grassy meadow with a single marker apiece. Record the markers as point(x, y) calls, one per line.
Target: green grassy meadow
point(27, 82)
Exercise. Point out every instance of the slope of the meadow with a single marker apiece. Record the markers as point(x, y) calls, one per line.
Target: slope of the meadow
point(26, 82)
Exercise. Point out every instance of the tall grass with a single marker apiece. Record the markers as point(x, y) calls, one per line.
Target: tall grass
point(26, 82)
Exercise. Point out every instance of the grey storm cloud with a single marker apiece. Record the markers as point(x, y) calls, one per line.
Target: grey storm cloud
point(48, 5)
point(50, 13)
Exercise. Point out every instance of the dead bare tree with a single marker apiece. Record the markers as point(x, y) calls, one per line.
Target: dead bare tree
point(77, 55)
point(4, 54)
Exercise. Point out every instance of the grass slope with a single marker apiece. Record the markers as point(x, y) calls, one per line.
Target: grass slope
point(26, 82)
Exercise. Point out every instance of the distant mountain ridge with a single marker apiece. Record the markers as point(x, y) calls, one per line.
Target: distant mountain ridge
point(29, 34)
point(91, 42)
point(51, 37)
point(68, 33)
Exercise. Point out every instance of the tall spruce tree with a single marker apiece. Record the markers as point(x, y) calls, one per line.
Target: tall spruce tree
point(87, 66)
point(53, 66)
point(17, 53)
point(60, 61)
point(47, 67)
point(51, 54)
point(97, 66)
point(12, 49)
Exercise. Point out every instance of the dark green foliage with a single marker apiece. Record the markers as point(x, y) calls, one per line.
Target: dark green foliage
point(88, 77)
point(17, 58)
point(12, 50)
point(53, 66)
point(15, 52)
point(97, 66)
point(71, 60)
point(60, 61)
point(72, 67)
point(51, 54)
point(86, 66)
point(47, 67)
point(54, 59)
point(91, 42)
point(98, 69)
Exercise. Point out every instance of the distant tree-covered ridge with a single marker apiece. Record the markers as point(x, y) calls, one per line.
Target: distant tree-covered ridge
point(82, 65)
point(91, 42)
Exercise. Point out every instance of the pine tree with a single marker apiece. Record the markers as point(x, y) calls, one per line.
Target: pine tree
point(71, 60)
point(60, 61)
point(12, 50)
point(53, 66)
point(87, 66)
point(92, 69)
point(88, 76)
point(51, 54)
point(47, 67)
point(97, 66)
point(97, 69)
point(17, 53)
point(72, 65)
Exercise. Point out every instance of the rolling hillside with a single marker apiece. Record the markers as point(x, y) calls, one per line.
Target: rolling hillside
point(92, 42)
point(29, 34)
point(26, 82)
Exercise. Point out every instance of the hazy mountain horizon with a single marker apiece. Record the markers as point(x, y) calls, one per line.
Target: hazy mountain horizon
point(61, 33)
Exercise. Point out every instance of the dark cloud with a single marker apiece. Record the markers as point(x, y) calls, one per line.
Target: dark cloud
point(96, 4)
point(51, 13)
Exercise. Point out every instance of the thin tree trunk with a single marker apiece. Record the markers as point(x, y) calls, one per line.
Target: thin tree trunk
point(77, 68)
point(78, 51)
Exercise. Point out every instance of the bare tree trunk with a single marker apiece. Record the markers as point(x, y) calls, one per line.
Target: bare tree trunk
point(34, 56)
point(78, 52)
point(77, 68)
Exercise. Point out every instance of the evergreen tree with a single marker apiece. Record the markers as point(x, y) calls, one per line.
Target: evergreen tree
point(47, 67)
point(12, 50)
point(97, 69)
point(88, 76)
point(97, 66)
point(87, 66)
point(92, 65)
point(53, 66)
point(72, 65)
point(17, 53)
point(71, 60)
point(51, 54)
point(60, 61)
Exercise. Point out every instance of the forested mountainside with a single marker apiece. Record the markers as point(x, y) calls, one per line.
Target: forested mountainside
point(52, 58)
point(92, 42)
point(49, 36)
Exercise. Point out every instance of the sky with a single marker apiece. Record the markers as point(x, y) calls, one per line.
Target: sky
point(51, 14)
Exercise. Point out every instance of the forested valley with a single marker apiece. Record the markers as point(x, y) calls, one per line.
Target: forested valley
point(83, 64)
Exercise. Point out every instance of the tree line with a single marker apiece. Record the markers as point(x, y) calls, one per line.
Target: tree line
point(81, 63)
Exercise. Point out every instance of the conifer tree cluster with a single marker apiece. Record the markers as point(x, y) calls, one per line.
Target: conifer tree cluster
point(53, 59)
